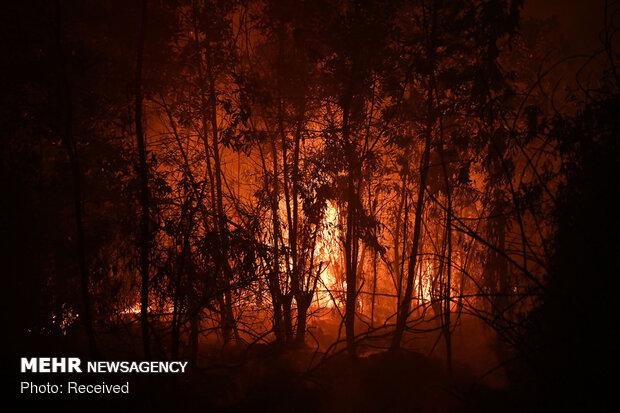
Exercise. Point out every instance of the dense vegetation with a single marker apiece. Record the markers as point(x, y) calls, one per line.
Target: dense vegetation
point(230, 181)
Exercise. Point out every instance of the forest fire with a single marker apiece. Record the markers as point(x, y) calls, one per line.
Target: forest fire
point(328, 252)
point(328, 205)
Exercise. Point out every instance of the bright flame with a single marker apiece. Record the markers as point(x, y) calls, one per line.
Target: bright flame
point(327, 252)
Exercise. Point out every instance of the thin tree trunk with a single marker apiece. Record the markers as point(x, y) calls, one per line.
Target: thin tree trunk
point(274, 278)
point(403, 311)
point(351, 267)
point(448, 284)
point(396, 264)
point(144, 189)
point(228, 320)
point(349, 250)
point(404, 308)
point(374, 260)
point(374, 289)
point(209, 121)
point(69, 143)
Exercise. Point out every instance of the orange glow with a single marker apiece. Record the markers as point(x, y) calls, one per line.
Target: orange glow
point(328, 252)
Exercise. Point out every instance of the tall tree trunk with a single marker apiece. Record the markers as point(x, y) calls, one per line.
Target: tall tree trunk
point(350, 248)
point(144, 188)
point(351, 237)
point(447, 297)
point(403, 311)
point(209, 121)
point(405, 304)
point(290, 190)
point(397, 264)
point(70, 145)
point(303, 298)
point(374, 258)
point(374, 289)
point(274, 276)
point(210, 177)
point(228, 320)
